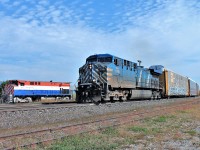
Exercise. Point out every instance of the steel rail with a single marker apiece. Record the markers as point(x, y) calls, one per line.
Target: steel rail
point(14, 107)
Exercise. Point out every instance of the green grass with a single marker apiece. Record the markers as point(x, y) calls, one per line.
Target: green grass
point(84, 142)
point(156, 130)
point(149, 129)
point(138, 129)
point(181, 111)
point(191, 132)
point(110, 131)
point(163, 118)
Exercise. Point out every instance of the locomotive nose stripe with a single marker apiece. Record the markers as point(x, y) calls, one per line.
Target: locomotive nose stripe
point(9, 89)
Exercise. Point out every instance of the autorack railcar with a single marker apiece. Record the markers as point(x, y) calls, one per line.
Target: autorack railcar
point(174, 84)
point(26, 91)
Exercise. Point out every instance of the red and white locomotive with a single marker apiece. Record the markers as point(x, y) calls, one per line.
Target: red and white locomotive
point(26, 91)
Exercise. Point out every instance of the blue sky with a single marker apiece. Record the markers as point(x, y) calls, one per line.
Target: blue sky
point(50, 40)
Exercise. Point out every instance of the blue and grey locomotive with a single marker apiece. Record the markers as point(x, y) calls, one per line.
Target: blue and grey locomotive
point(105, 77)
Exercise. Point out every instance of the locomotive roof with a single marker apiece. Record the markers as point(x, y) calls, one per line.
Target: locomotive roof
point(105, 55)
point(38, 81)
point(100, 55)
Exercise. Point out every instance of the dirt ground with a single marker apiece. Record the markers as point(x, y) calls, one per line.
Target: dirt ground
point(179, 130)
point(175, 130)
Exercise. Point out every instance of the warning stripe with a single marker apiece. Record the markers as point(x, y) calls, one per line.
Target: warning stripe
point(9, 89)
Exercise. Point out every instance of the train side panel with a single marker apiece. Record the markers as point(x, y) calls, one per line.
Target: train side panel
point(41, 90)
point(197, 92)
point(174, 84)
point(123, 77)
point(193, 88)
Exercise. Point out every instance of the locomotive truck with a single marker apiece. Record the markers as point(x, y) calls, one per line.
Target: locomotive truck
point(105, 77)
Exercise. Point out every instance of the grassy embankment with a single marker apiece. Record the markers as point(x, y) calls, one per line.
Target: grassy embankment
point(181, 125)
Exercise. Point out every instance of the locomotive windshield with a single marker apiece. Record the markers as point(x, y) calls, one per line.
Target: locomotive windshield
point(99, 59)
point(105, 59)
point(15, 82)
point(92, 59)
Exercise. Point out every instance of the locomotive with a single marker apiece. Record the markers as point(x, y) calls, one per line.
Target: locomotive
point(27, 91)
point(105, 77)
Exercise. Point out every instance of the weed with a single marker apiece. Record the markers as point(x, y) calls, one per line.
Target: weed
point(110, 131)
point(138, 129)
point(147, 119)
point(87, 141)
point(181, 111)
point(156, 130)
point(191, 132)
point(163, 118)
point(160, 119)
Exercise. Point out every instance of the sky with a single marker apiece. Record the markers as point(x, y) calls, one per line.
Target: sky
point(49, 40)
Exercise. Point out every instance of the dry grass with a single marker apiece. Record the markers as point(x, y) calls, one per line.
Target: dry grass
point(175, 126)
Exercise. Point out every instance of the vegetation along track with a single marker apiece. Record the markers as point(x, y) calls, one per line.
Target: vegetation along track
point(30, 139)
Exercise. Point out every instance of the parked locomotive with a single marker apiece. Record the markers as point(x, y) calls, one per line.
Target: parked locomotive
point(105, 77)
point(26, 91)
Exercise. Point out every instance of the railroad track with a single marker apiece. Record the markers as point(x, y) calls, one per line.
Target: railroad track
point(52, 134)
point(7, 108)
point(37, 106)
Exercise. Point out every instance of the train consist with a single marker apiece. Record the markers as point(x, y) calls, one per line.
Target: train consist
point(26, 91)
point(105, 77)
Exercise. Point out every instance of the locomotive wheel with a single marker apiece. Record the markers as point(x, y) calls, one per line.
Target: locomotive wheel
point(124, 98)
point(112, 100)
point(120, 99)
point(152, 97)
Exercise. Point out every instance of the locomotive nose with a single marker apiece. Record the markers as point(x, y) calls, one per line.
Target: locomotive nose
point(90, 82)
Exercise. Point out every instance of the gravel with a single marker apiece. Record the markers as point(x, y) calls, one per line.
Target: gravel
point(168, 145)
point(42, 116)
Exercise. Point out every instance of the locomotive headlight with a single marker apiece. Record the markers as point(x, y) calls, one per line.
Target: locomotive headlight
point(94, 80)
point(79, 81)
point(90, 66)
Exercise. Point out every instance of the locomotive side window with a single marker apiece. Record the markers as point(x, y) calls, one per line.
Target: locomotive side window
point(128, 65)
point(131, 66)
point(116, 62)
point(65, 91)
point(124, 62)
point(31, 83)
point(135, 65)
